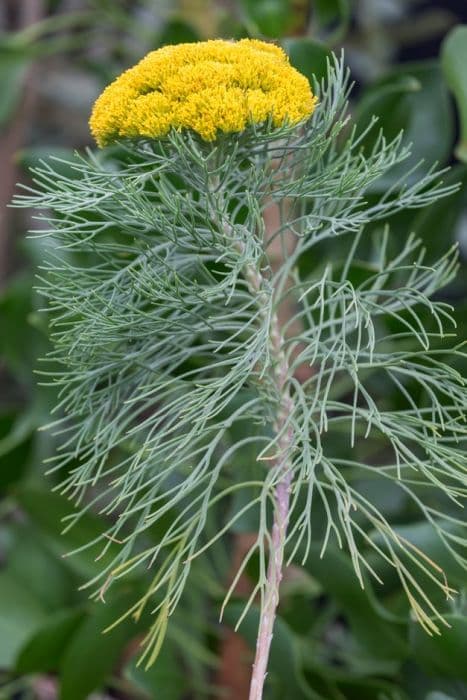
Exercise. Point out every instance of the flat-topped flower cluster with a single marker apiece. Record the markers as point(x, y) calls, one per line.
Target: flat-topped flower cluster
point(206, 87)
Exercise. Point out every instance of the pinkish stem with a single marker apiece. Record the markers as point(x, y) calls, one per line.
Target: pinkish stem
point(282, 490)
point(281, 517)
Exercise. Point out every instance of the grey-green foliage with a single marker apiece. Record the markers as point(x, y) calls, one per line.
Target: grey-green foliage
point(163, 346)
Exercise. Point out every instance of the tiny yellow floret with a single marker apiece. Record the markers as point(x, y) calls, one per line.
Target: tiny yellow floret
point(207, 87)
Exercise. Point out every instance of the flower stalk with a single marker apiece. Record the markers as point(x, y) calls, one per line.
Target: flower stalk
point(281, 462)
point(281, 518)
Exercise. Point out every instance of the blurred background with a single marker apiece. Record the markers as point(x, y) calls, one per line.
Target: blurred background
point(409, 62)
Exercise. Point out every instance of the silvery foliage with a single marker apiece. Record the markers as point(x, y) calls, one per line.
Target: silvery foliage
point(162, 351)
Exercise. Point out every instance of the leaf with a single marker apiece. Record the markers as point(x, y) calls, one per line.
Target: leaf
point(177, 31)
point(44, 650)
point(163, 679)
point(412, 98)
point(15, 448)
point(332, 18)
point(453, 61)
point(443, 654)
point(22, 448)
point(354, 688)
point(47, 511)
point(38, 570)
point(21, 613)
point(421, 686)
point(443, 217)
point(272, 18)
point(95, 652)
point(13, 68)
point(308, 56)
point(335, 573)
point(18, 339)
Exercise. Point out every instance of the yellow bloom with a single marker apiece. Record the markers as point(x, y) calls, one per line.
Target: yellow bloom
point(207, 87)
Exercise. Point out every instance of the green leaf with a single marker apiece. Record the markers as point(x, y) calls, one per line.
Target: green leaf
point(272, 18)
point(443, 654)
point(92, 655)
point(13, 69)
point(177, 31)
point(44, 650)
point(47, 510)
point(308, 56)
point(21, 613)
point(18, 340)
point(378, 634)
point(45, 576)
point(163, 679)
point(15, 448)
point(414, 99)
point(332, 18)
point(454, 61)
point(444, 215)
point(355, 688)
point(421, 686)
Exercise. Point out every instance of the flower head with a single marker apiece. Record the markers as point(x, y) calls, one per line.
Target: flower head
point(207, 87)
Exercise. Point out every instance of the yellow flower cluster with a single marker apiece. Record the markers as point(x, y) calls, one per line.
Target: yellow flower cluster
point(207, 87)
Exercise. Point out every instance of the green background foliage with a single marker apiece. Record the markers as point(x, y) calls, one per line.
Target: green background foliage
point(333, 640)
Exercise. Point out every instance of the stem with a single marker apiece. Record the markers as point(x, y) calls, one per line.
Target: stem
point(281, 517)
point(270, 602)
point(281, 501)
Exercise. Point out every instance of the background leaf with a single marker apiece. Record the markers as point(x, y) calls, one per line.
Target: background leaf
point(95, 651)
point(372, 626)
point(44, 650)
point(271, 18)
point(47, 511)
point(164, 679)
point(412, 98)
point(454, 60)
point(332, 18)
point(308, 56)
point(443, 654)
point(21, 614)
point(14, 65)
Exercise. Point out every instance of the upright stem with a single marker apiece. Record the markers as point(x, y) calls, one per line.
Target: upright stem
point(284, 244)
point(281, 518)
point(281, 501)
